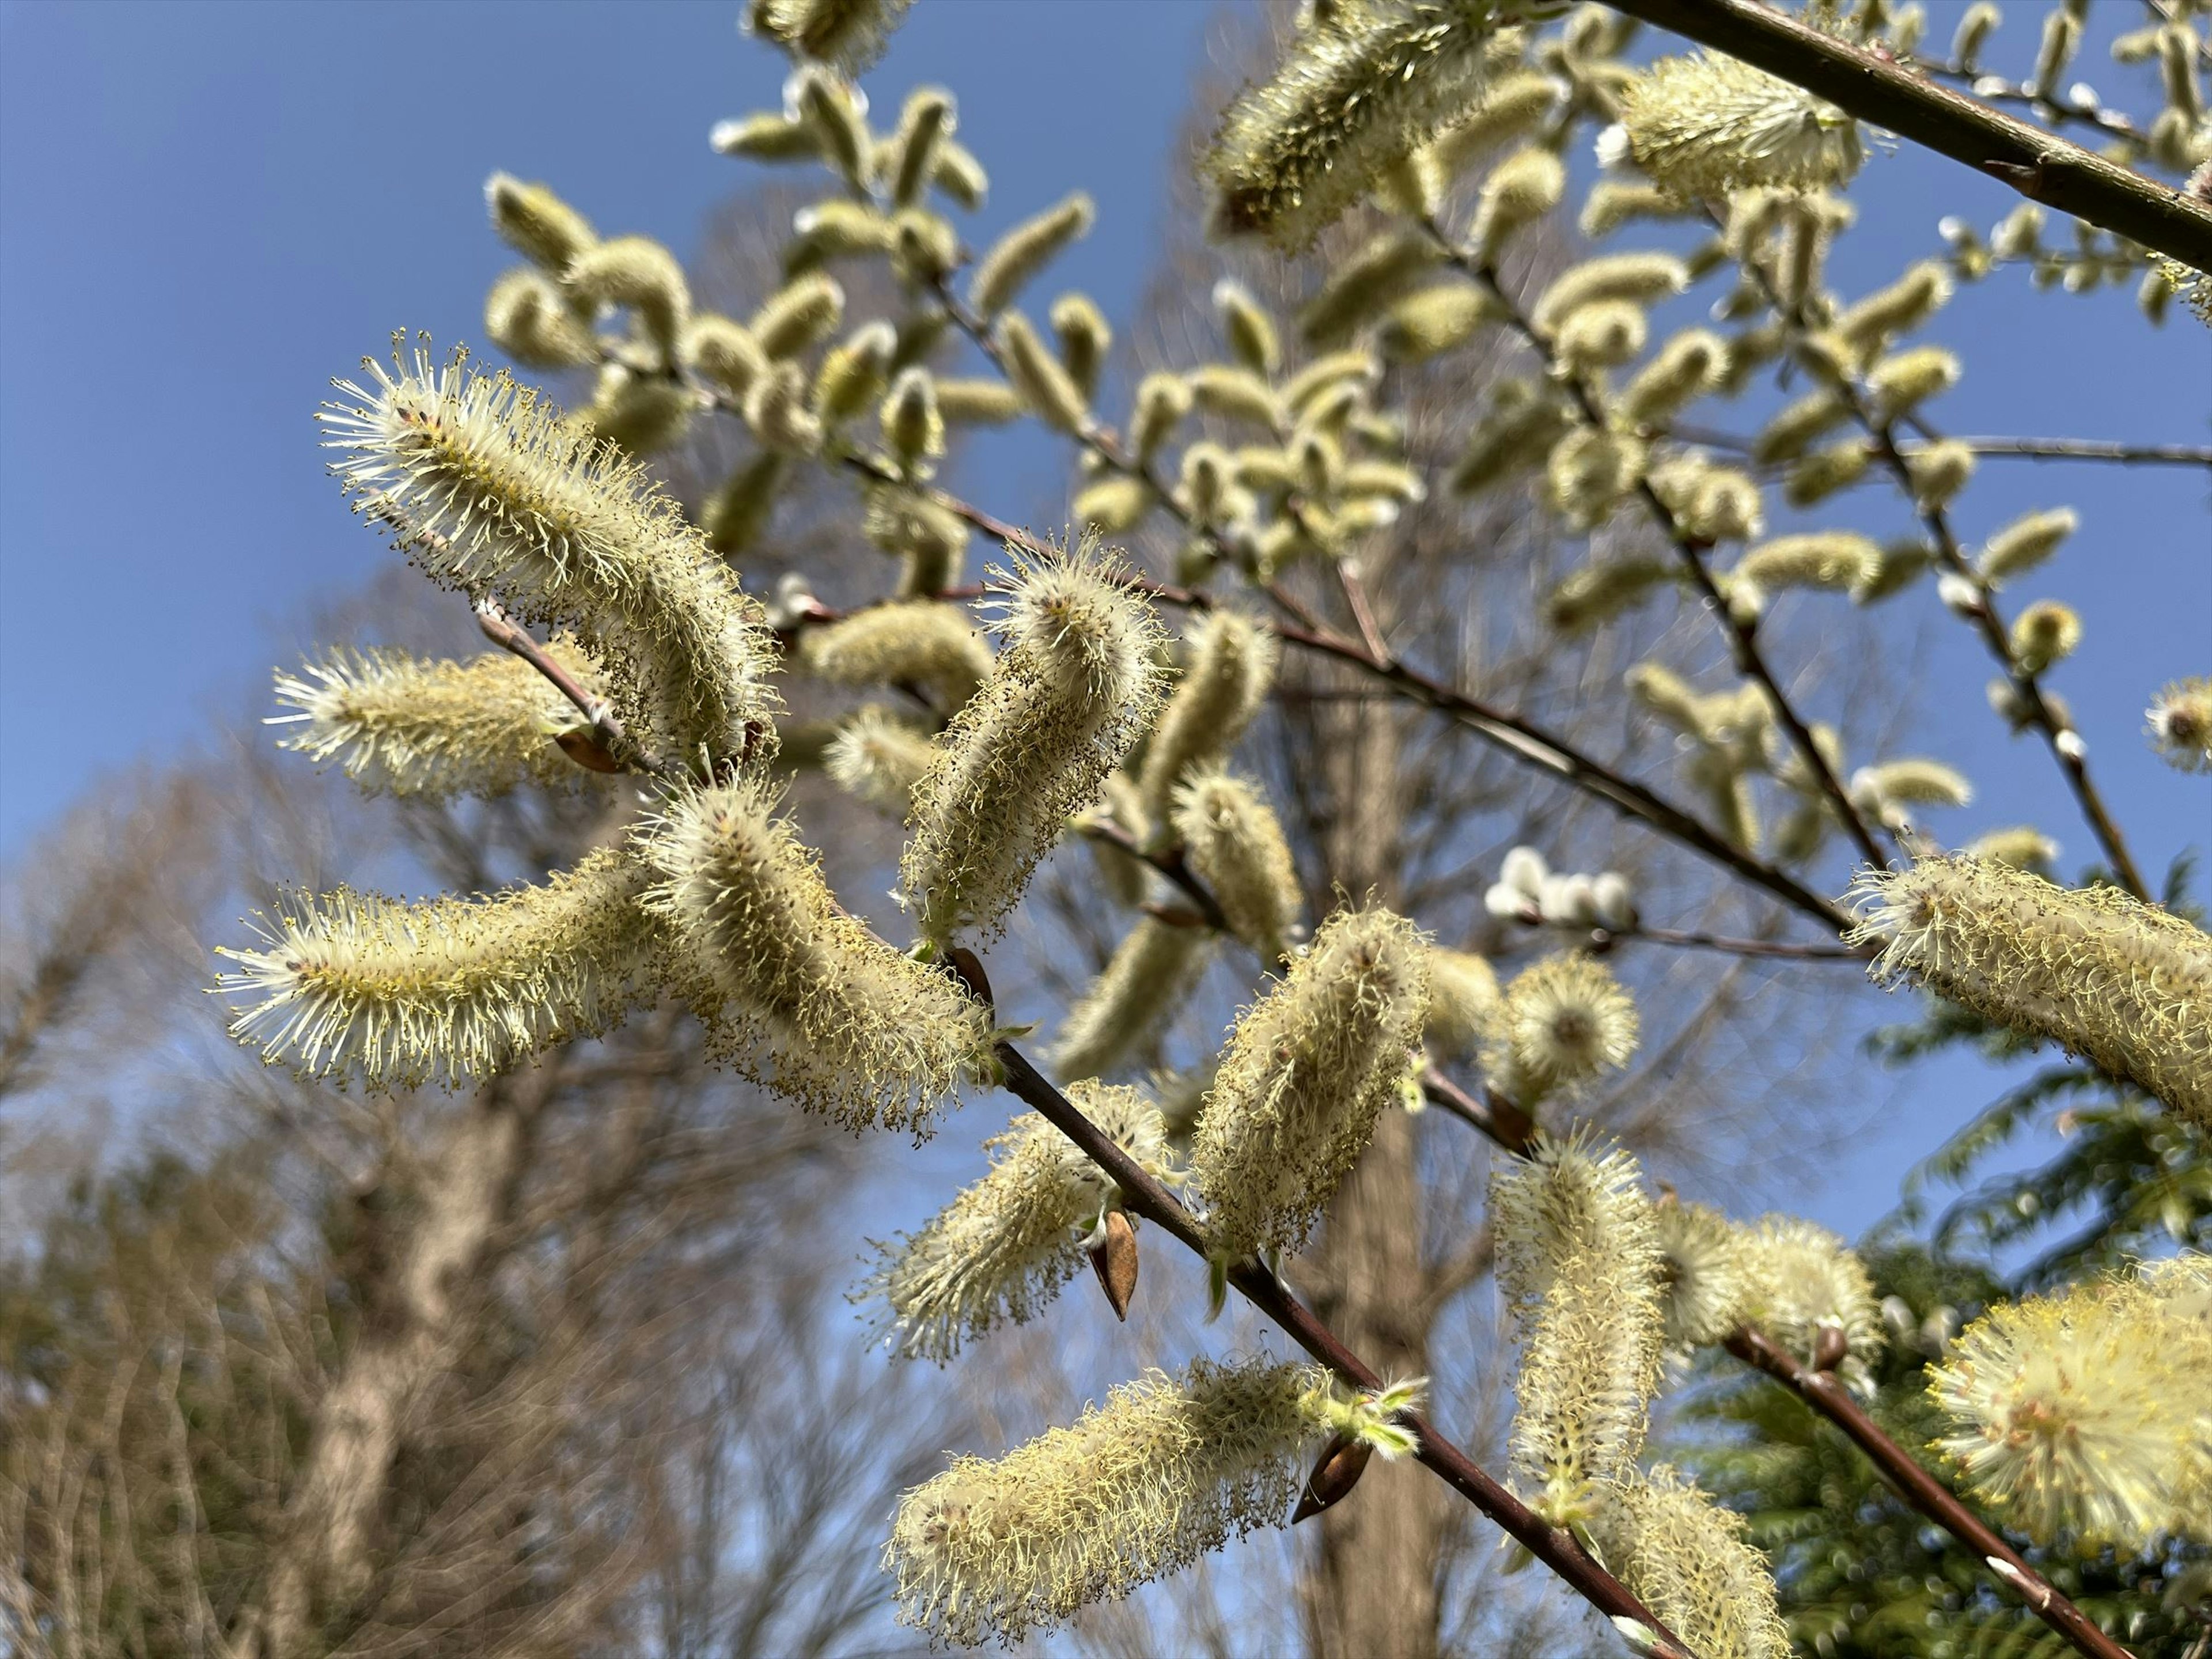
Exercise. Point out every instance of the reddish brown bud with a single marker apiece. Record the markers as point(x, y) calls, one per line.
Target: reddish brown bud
point(581, 745)
point(1115, 1260)
point(1829, 1347)
point(1342, 1462)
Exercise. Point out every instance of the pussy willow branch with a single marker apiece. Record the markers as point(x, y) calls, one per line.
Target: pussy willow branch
point(1604, 939)
point(606, 727)
point(1997, 89)
point(2008, 449)
point(1742, 632)
point(1144, 1197)
point(2040, 165)
point(1821, 1391)
point(1511, 1129)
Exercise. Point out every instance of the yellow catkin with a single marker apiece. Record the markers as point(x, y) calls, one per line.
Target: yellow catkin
point(1562, 1022)
point(637, 273)
point(798, 992)
point(1228, 665)
point(880, 759)
point(1003, 1248)
point(1464, 1003)
point(848, 36)
point(451, 990)
point(2180, 724)
point(1706, 1273)
point(1578, 1264)
point(1167, 1470)
point(401, 726)
point(1685, 1557)
point(924, 643)
point(1706, 124)
point(1142, 987)
point(492, 492)
point(1800, 1279)
point(1066, 699)
point(1307, 1072)
point(2094, 970)
point(1234, 844)
point(1016, 257)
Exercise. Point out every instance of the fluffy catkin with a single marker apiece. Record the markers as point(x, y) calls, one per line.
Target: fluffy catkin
point(1578, 1264)
point(1355, 93)
point(2089, 1411)
point(848, 36)
point(797, 992)
point(1136, 993)
point(880, 759)
point(1167, 1470)
point(1705, 1272)
point(1016, 257)
point(1234, 844)
point(1707, 125)
point(1562, 1022)
point(1002, 1249)
point(1066, 699)
point(2101, 973)
point(1463, 1002)
point(1685, 1557)
point(1799, 1277)
point(920, 643)
point(2179, 723)
point(401, 726)
point(1230, 663)
point(1307, 1072)
point(452, 990)
point(492, 492)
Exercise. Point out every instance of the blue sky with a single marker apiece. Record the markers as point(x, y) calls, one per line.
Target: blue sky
point(208, 210)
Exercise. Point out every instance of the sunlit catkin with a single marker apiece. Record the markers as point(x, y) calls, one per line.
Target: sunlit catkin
point(1562, 1022)
point(1463, 1003)
point(2088, 1412)
point(1016, 257)
point(1685, 1557)
point(451, 990)
point(1141, 986)
point(1234, 843)
point(878, 759)
point(2180, 724)
point(1167, 1470)
point(399, 724)
point(924, 643)
point(1578, 1265)
point(1005, 1245)
point(848, 36)
point(1307, 1070)
point(529, 319)
point(796, 992)
point(1075, 687)
point(1229, 665)
point(1707, 125)
point(639, 274)
point(1043, 382)
point(537, 223)
point(2094, 970)
point(1803, 1280)
point(492, 492)
point(1356, 92)
point(1704, 1273)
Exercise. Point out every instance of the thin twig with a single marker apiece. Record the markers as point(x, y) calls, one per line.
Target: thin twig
point(2059, 112)
point(2017, 449)
point(606, 727)
point(1171, 864)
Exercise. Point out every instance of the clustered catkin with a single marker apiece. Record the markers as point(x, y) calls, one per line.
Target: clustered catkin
point(1003, 1247)
point(491, 491)
point(1234, 843)
point(1139, 989)
point(402, 726)
point(924, 643)
point(1307, 1072)
point(1562, 1022)
point(878, 758)
point(1578, 1264)
point(1707, 125)
point(1357, 92)
point(1066, 699)
point(1705, 1273)
point(1230, 663)
point(796, 992)
point(2101, 972)
point(1167, 1470)
point(450, 990)
point(2089, 1411)
point(1802, 1279)
point(1684, 1558)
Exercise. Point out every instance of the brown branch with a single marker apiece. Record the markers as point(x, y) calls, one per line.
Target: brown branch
point(606, 725)
point(1997, 89)
point(1144, 1197)
point(1170, 865)
point(2041, 166)
point(2014, 449)
point(1821, 1391)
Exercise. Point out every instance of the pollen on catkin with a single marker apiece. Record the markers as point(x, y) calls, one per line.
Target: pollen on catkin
point(401, 726)
point(1075, 686)
point(1234, 844)
point(924, 643)
point(1684, 1558)
point(1355, 93)
point(492, 492)
point(1003, 1248)
point(796, 992)
point(452, 990)
point(1228, 665)
point(878, 758)
point(1704, 1274)
point(1706, 124)
point(1578, 1267)
point(1307, 1070)
point(1167, 1470)
point(1138, 990)
point(1562, 1022)
point(2094, 970)
point(2179, 723)
point(2088, 1412)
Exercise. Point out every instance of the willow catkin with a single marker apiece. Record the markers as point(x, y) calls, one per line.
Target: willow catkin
point(1228, 665)
point(1684, 1558)
point(537, 223)
point(1138, 990)
point(1463, 1003)
point(1307, 1070)
point(2180, 724)
point(1044, 384)
point(878, 758)
point(1066, 699)
point(2098, 971)
point(1016, 257)
point(1002, 1249)
point(1234, 844)
point(1357, 92)
point(1578, 1264)
point(924, 643)
point(796, 992)
point(1706, 124)
point(492, 492)
point(451, 990)
point(1803, 1280)
point(532, 322)
point(1704, 1273)
point(1561, 1022)
point(402, 726)
point(848, 36)
point(1167, 1470)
